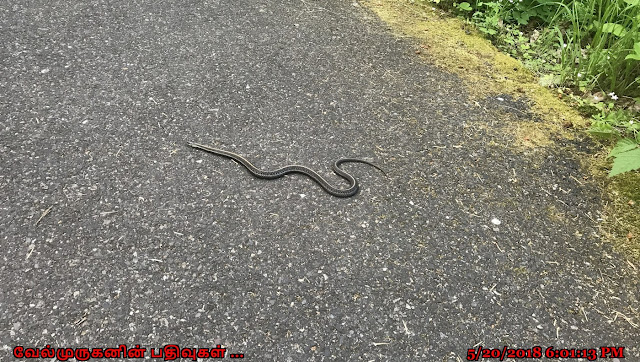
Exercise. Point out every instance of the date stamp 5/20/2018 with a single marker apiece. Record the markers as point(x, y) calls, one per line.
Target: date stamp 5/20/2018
point(551, 352)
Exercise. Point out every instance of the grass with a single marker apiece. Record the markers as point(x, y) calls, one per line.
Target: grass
point(589, 49)
point(517, 61)
point(598, 41)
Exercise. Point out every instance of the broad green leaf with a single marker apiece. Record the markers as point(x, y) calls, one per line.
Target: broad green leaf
point(596, 24)
point(624, 145)
point(632, 2)
point(488, 31)
point(617, 117)
point(636, 49)
point(523, 19)
point(602, 129)
point(465, 6)
point(615, 29)
point(626, 161)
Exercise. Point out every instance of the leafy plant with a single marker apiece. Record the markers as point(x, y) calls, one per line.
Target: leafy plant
point(636, 54)
point(597, 44)
point(589, 45)
point(616, 123)
point(626, 156)
point(465, 6)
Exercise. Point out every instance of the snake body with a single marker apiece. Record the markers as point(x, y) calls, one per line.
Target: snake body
point(270, 175)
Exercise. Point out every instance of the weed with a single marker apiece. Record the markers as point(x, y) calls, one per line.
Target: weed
point(591, 46)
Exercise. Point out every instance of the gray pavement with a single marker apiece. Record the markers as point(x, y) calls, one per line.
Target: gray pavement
point(147, 241)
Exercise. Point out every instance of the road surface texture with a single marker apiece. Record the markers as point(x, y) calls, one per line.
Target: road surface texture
point(114, 231)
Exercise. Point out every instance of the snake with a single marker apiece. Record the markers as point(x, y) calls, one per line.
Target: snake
point(274, 174)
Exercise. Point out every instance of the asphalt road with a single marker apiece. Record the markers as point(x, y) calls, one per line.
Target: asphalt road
point(147, 241)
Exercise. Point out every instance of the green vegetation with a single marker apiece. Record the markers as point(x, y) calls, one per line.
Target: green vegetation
point(589, 50)
point(455, 46)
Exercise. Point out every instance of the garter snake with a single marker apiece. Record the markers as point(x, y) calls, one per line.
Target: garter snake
point(270, 175)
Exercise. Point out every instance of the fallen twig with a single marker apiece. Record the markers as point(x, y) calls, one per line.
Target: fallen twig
point(45, 213)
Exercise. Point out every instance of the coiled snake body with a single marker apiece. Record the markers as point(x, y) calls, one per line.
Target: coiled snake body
point(270, 175)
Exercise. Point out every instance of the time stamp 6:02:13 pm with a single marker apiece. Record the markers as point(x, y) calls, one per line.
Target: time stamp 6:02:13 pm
point(590, 354)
